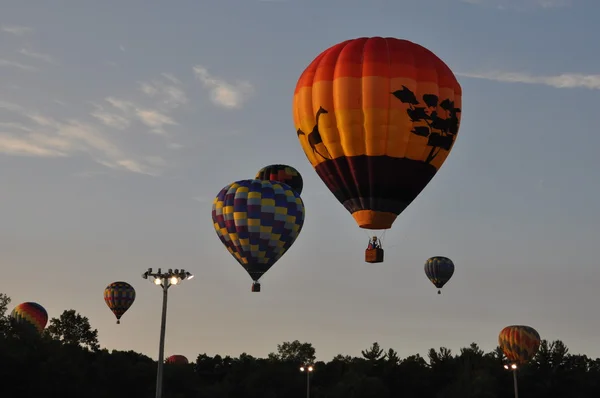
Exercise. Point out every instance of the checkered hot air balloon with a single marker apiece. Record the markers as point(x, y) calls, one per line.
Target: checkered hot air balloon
point(119, 296)
point(439, 270)
point(282, 173)
point(519, 343)
point(177, 360)
point(30, 316)
point(257, 221)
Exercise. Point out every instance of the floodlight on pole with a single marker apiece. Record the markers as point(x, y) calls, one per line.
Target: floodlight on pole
point(513, 368)
point(165, 280)
point(308, 369)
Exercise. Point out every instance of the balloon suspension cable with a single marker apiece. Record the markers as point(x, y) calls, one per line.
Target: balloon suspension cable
point(370, 235)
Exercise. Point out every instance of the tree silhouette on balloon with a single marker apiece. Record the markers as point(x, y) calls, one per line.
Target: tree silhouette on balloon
point(441, 132)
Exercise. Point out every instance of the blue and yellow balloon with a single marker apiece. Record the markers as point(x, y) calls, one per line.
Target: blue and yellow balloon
point(257, 221)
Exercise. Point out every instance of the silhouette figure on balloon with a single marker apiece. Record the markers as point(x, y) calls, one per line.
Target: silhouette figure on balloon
point(440, 132)
point(314, 137)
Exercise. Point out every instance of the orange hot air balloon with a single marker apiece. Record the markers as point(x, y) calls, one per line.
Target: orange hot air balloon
point(377, 117)
point(519, 343)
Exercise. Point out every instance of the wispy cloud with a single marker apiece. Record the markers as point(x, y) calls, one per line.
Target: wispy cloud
point(169, 95)
point(17, 65)
point(110, 119)
point(40, 56)
point(48, 137)
point(521, 4)
point(565, 80)
point(16, 30)
point(224, 94)
point(151, 118)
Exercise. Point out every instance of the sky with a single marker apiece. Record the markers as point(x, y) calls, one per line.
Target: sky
point(121, 121)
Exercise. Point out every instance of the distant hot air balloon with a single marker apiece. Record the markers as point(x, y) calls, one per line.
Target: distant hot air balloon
point(30, 316)
point(376, 118)
point(519, 343)
point(177, 360)
point(439, 270)
point(282, 173)
point(119, 296)
point(257, 221)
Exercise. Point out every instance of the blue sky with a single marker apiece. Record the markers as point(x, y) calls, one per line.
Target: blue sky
point(120, 121)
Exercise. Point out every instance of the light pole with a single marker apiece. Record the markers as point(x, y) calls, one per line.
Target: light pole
point(513, 368)
point(164, 280)
point(308, 369)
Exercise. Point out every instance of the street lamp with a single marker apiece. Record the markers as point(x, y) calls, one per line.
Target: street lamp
point(513, 367)
point(308, 369)
point(165, 280)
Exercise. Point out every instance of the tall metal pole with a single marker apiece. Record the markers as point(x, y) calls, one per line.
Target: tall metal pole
point(307, 384)
point(161, 346)
point(515, 382)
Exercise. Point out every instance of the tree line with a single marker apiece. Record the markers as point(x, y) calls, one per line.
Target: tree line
point(67, 361)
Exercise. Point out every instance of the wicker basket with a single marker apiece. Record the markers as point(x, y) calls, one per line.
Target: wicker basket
point(374, 255)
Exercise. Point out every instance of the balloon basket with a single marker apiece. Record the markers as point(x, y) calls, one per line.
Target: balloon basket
point(374, 255)
point(256, 287)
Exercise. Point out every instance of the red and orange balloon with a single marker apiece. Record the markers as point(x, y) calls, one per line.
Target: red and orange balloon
point(376, 118)
point(177, 360)
point(519, 343)
point(30, 316)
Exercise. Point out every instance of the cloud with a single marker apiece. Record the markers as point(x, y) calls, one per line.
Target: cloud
point(122, 48)
point(149, 117)
point(171, 78)
point(14, 126)
point(170, 95)
point(521, 4)
point(565, 80)
point(40, 56)
point(110, 119)
point(222, 93)
point(47, 137)
point(16, 30)
point(17, 65)
point(25, 146)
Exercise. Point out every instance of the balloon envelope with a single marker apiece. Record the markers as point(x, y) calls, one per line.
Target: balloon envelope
point(439, 270)
point(257, 221)
point(31, 316)
point(376, 118)
point(119, 296)
point(282, 173)
point(519, 343)
point(177, 360)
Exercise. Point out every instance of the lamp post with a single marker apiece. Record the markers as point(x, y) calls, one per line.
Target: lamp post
point(308, 369)
point(164, 280)
point(513, 368)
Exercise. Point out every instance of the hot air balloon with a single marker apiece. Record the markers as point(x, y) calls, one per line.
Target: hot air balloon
point(119, 296)
point(177, 360)
point(439, 270)
point(30, 317)
point(519, 343)
point(282, 173)
point(257, 221)
point(376, 118)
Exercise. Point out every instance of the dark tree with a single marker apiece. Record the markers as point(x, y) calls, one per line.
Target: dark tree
point(72, 328)
point(437, 120)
